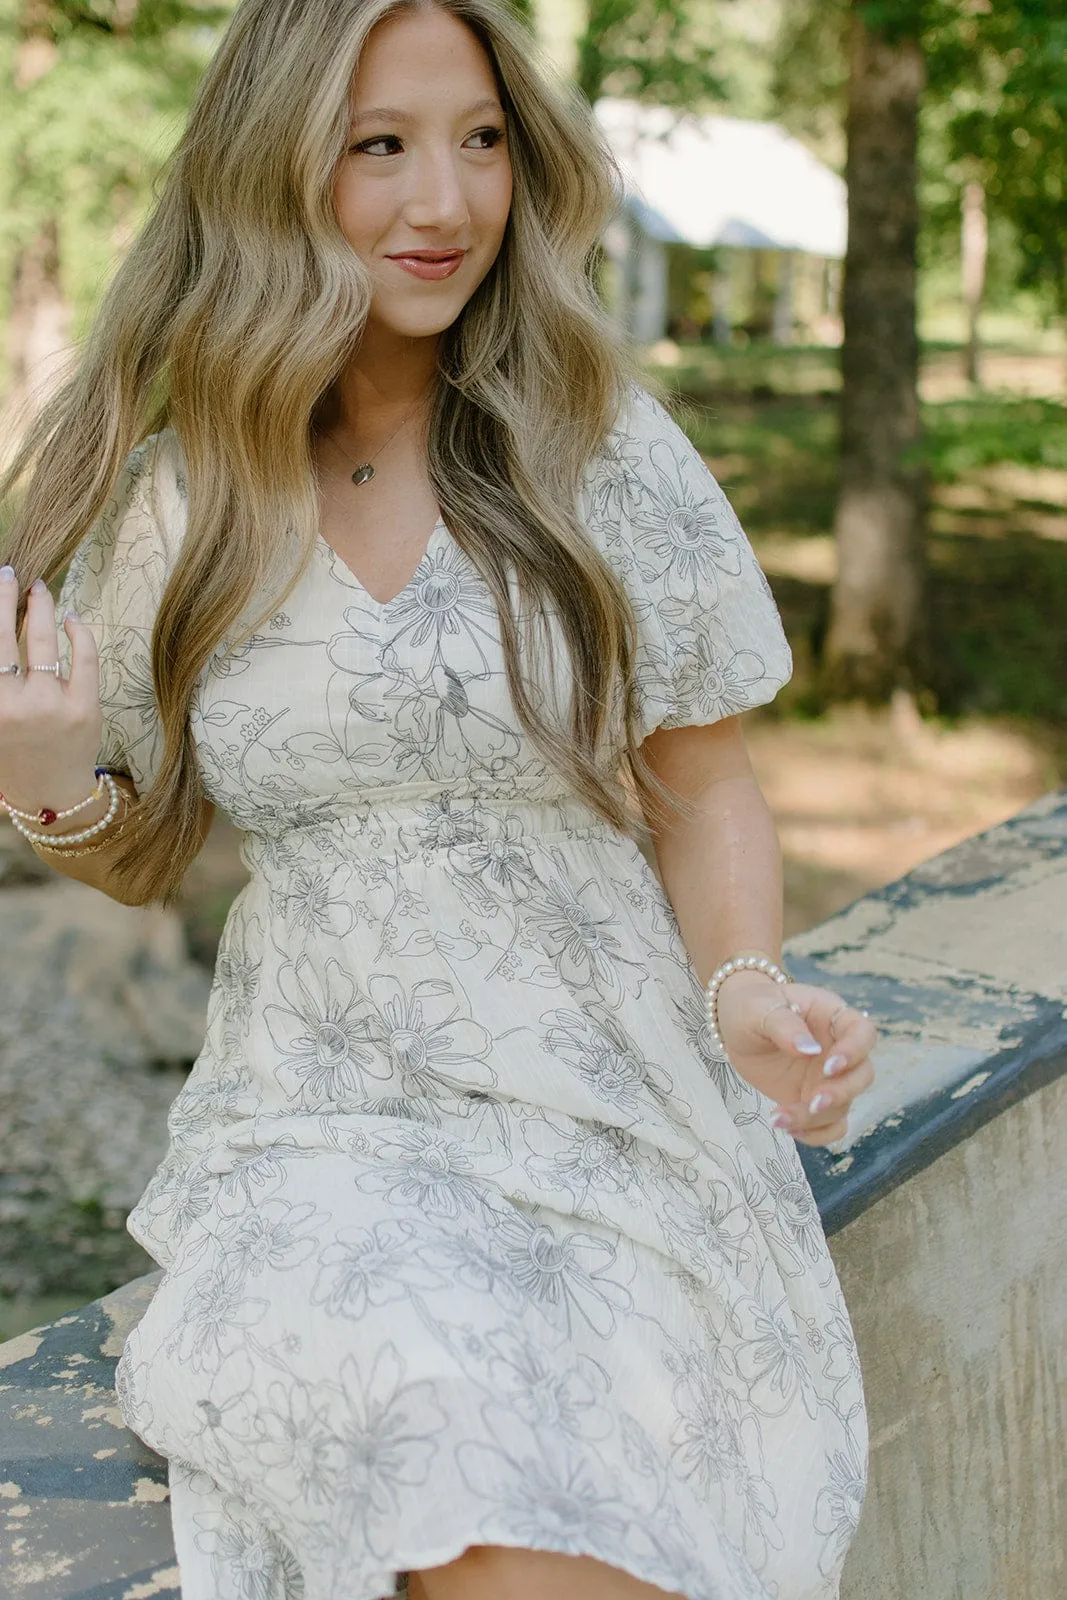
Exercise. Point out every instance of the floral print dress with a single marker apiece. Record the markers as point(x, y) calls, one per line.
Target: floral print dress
point(468, 1235)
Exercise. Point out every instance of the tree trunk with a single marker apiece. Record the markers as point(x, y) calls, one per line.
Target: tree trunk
point(875, 616)
point(975, 254)
point(38, 324)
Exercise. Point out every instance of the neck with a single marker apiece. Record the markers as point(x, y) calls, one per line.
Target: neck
point(383, 381)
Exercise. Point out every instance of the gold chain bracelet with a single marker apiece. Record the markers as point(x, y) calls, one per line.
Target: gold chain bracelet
point(92, 849)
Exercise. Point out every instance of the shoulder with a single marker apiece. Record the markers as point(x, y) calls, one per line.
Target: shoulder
point(149, 503)
point(645, 457)
point(643, 427)
point(652, 504)
point(128, 552)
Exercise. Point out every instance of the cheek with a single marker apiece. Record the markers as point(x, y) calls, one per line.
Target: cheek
point(359, 210)
point(494, 202)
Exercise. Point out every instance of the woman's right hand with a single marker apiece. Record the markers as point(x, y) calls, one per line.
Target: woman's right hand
point(50, 727)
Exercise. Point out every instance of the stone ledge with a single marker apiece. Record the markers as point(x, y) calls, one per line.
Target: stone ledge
point(962, 965)
point(83, 1503)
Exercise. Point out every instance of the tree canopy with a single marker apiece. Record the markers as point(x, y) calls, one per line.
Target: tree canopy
point(97, 91)
point(995, 108)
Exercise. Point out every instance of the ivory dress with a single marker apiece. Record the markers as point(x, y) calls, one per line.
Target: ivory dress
point(469, 1238)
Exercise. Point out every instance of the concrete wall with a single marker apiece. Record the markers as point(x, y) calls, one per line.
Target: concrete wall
point(957, 1287)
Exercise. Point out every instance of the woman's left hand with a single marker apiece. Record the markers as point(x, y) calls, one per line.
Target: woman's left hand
point(804, 1048)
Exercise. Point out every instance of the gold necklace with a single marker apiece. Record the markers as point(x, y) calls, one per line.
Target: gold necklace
point(364, 472)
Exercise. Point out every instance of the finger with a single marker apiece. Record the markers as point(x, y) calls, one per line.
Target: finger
point(857, 1034)
point(854, 1044)
point(784, 1026)
point(42, 646)
point(83, 683)
point(832, 1019)
point(832, 1102)
point(837, 1132)
point(9, 599)
point(847, 1033)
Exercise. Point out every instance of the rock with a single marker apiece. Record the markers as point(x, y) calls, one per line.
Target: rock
point(101, 1013)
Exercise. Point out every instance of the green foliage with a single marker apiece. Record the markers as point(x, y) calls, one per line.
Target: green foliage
point(1011, 125)
point(997, 593)
point(654, 50)
point(811, 74)
point(995, 111)
point(82, 142)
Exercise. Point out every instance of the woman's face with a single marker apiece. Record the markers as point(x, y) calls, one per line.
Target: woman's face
point(424, 192)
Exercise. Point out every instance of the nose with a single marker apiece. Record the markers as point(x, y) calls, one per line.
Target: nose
point(437, 197)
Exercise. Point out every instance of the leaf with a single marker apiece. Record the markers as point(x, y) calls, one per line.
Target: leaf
point(222, 712)
point(315, 746)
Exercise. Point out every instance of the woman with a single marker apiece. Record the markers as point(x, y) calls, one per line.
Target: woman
point(485, 1269)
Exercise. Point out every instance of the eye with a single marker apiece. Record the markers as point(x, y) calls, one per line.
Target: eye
point(488, 138)
point(383, 144)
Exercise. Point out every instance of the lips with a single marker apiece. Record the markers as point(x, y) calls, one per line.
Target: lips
point(429, 264)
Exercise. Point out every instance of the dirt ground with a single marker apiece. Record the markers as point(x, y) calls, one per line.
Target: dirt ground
point(860, 798)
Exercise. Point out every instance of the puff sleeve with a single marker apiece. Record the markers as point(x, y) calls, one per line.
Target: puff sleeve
point(710, 640)
point(115, 582)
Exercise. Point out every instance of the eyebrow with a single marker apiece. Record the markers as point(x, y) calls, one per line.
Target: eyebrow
point(394, 114)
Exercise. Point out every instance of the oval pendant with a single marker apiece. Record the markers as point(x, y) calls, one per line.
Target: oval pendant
point(363, 474)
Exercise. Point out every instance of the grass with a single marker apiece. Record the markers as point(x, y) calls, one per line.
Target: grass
point(966, 435)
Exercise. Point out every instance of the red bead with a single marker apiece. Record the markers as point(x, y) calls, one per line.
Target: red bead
point(46, 815)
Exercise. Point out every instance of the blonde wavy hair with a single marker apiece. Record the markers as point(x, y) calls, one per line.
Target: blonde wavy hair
point(232, 315)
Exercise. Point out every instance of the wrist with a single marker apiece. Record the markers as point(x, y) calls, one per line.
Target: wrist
point(37, 807)
point(93, 816)
point(756, 966)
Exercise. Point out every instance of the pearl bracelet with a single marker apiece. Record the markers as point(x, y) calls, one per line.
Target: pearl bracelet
point(755, 962)
point(63, 839)
point(46, 814)
point(129, 820)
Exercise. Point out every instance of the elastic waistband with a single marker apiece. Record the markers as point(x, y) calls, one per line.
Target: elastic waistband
point(412, 830)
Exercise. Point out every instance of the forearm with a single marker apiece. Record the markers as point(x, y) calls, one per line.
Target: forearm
point(722, 872)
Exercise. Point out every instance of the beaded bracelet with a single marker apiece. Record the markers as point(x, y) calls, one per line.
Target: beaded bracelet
point(46, 814)
point(64, 839)
point(754, 962)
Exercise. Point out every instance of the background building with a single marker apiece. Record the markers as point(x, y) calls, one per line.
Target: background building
point(729, 226)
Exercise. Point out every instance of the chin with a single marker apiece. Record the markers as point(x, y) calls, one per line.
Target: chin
point(422, 326)
point(422, 317)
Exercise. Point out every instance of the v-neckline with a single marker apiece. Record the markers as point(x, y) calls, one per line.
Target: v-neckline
point(332, 556)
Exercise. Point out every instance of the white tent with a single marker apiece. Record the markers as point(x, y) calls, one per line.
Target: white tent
point(709, 180)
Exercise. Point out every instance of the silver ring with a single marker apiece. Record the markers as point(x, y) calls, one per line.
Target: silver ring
point(12, 668)
point(52, 666)
point(783, 1005)
point(833, 1019)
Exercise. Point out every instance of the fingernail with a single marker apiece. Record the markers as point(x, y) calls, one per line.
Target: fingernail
point(834, 1064)
point(782, 1119)
point(7, 573)
point(807, 1045)
point(820, 1103)
point(70, 616)
point(38, 586)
